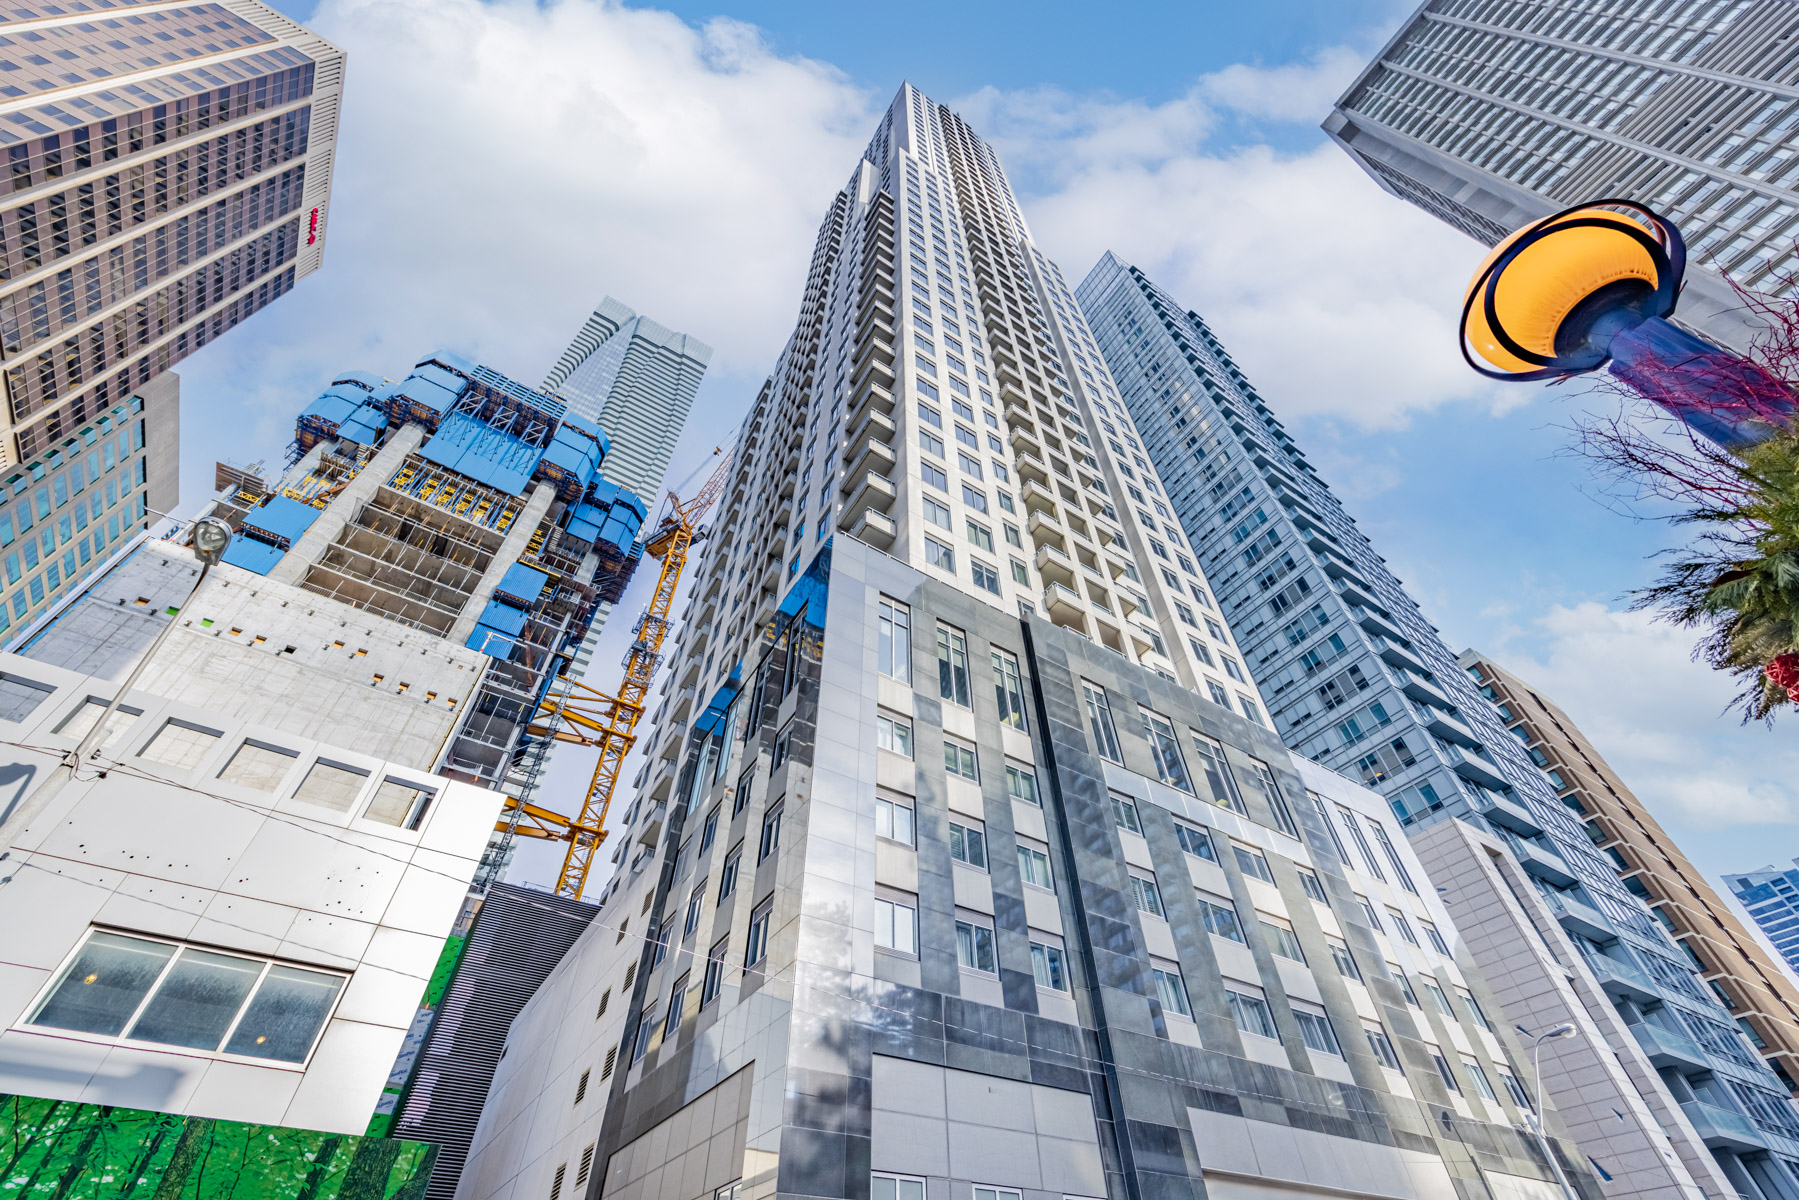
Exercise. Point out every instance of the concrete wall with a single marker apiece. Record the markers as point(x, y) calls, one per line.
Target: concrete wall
point(142, 848)
point(162, 441)
point(268, 652)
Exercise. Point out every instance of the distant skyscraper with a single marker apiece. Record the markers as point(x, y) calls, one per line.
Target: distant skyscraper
point(637, 379)
point(1356, 678)
point(170, 171)
point(1772, 898)
point(1490, 114)
point(964, 863)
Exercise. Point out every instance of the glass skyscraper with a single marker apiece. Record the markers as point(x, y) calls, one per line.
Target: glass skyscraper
point(1489, 113)
point(168, 174)
point(1771, 897)
point(1356, 678)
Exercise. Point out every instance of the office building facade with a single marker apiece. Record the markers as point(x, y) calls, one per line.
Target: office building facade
point(956, 868)
point(1357, 679)
point(1771, 897)
point(637, 379)
point(1489, 114)
point(1746, 979)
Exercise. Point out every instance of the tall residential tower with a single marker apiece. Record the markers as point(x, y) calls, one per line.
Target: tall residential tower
point(1358, 680)
point(1490, 113)
point(964, 862)
point(1771, 897)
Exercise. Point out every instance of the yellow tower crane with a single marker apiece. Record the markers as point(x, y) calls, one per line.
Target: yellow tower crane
point(586, 716)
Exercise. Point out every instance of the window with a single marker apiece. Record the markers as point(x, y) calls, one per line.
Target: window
point(1473, 1007)
point(1099, 721)
point(1316, 1032)
point(1021, 574)
point(1216, 773)
point(1515, 1090)
point(896, 922)
point(709, 831)
point(1346, 964)
point(727, 880)
point(1382, 1048)
point(940, 556)
point(1171, 990)
point(1314, 887)
point(893, 657)
point(937, 513)
point(1048, 966)
point(934, 475)
point(1195, 841)
point(757, 948)
point(399, 803)
point(893, 734)
point(952, 666)
point(1368, 911)
point(1436, 939)
point(1219, 696)
point(930, 443)
point(1249, 708)
point(894, 821)
point(898, 1187)
point(1405, 984)
point(974, 947)
point(1147, 896)
point(1386, 844)
point(771, 833)
point(959, 760)
point(974, 499)
point(741, 800)
point(181, 746)
point(1220, 916)
point(715, 972)
point(1252, 862)
point(646, 1029)
point(1438, 1000)
point(1355, 835)
point(985, 576)
point(981, 536)
point(1033, 867)
point(783, 748)
point(695, 901)
point(931, 415)
point(1167, 750)
point(1443, 1070)
point(258, 767)
point(968, 844)
point(677, 1003)
point(1281, 939)
point(1021, 784)
point(331, 786)
point(1008, 688)
point(146, 990)
point(1251, 1014)
point(1478, 1078)
point(1263, 778)
point(1124, 814)
point(1404, 926)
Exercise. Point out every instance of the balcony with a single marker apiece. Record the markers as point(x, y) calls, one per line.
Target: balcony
point(1054, 565)
point(1474, 767)
point(871, 396)
point(1722, 1129)
point(1038, 498)
point(1445, 727)
point(1668, 1048)
point(1579, 917)
point(870, 456)
point(1512, 813)
point(653, 821)
point(1044, 528)
point(874, 424)
point(1622, 979)
point(871, 491)
point(1398, 655)
point(876, 528)
point(1063, 604)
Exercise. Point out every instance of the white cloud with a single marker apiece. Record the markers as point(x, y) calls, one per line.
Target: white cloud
point(1658, 717)
point(1289, 92)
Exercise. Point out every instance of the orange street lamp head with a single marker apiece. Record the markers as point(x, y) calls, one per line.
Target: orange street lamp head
point(1550, 298)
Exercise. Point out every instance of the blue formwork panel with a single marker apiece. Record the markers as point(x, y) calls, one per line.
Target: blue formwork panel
point(455, 362)
point(471, 447)
point(521, 586)
point(281, 520)
point(365, 425)
point(572, 460)
point(252, 555)
point(498, 630)
point(422, 399)
point(591, 429)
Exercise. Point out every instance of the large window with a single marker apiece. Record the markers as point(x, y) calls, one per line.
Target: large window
point(1220, 784)
point(1099, 720)
point(1277, 803)
point(148, 990)
point(893, 656)
point(1252, 862)
point(757, 948)
point(1171, 990)
point(968, 844)
point(1008, 689)
point(959, 759)
point(1021, 784)
point(1251, 1014)
point(1220, 917)
point(974, 946)
point(1195, 841)
point(896, 1187)
point(1281, 939)
point(952, 666)
point(1048, 966)
point(893, 733)
point(1033, 867)
point(893, 821)
point(1167, 748)
point(896, 922)
point(1316, 1032)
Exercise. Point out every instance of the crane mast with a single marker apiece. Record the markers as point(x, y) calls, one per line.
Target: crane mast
point(588, 717)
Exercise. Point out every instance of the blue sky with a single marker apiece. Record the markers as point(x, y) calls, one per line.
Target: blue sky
point(504, 165)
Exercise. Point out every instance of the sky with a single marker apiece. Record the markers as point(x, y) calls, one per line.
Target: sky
point(504, 165)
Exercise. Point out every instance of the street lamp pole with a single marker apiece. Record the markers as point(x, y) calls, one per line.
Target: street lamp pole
point(1533, 1118)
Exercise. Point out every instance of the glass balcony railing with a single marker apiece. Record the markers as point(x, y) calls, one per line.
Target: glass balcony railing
point(1720, 1128)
